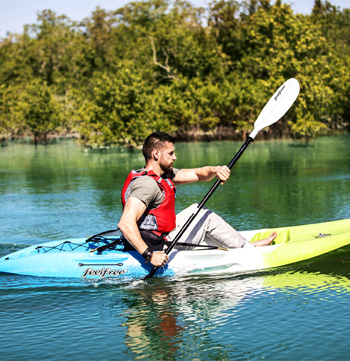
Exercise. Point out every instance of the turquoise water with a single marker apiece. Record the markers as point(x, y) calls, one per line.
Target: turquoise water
point(297, 312)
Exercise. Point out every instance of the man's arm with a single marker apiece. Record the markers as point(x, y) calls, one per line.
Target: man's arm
point(204, 174)
point(133, 210)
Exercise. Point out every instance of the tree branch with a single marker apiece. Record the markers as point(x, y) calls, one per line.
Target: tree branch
point(165, 67)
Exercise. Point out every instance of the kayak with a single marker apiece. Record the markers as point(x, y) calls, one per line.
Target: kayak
point(79, 258)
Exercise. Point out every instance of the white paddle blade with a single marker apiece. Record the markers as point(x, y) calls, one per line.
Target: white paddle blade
point(277, 106)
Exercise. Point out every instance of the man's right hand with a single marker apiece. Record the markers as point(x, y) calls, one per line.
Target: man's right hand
point(159, 259)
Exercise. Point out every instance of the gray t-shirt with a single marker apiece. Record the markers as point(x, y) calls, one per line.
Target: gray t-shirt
point(147, 190)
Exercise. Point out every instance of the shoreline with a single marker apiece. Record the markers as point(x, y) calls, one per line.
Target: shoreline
point(220, 134)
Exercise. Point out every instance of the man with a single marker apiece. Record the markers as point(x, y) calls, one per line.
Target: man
point(148, 197)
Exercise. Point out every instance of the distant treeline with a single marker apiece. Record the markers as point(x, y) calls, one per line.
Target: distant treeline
point(159, 65)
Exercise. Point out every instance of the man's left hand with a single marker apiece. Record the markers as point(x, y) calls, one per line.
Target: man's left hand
point(223, 173)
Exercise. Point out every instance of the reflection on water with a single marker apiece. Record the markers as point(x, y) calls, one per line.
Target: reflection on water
point(203, 317)
point(175, 319)
point(290, 313)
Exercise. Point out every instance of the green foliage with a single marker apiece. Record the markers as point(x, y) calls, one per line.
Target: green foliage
point(8, 112)
point(156, 65)
point(280, 45)
point(39, 109)
point(31, 109)
point(115, 112)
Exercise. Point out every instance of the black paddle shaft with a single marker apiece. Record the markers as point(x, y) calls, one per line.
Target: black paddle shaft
point(201, 204)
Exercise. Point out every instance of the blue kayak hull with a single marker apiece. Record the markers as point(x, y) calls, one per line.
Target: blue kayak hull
point(78, 258)
point(71, 258)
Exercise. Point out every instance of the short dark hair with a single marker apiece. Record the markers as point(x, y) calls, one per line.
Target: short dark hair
point(156, 140)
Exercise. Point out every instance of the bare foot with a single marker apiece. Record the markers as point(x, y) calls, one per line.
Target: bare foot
point(265, 241)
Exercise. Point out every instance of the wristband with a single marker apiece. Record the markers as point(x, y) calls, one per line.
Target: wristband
point(147, 255)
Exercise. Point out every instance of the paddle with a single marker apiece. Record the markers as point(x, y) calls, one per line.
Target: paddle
point(274, 110)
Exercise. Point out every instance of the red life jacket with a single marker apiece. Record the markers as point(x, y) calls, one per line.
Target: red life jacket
point(159, 220)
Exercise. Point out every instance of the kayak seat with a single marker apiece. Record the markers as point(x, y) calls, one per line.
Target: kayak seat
point(283, 236)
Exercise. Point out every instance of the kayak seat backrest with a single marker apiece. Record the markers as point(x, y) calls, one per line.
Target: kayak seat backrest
point(283, 236)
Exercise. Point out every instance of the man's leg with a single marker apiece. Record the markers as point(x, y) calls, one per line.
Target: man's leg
point(210, 224)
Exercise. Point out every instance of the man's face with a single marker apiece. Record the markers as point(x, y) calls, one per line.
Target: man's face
point(167, 157)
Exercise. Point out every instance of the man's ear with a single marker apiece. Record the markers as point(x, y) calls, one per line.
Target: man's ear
point(156, 154)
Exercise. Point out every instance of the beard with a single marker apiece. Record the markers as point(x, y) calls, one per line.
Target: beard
point(166, 167)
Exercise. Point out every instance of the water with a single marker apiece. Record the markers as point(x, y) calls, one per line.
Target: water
point(296, 312)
